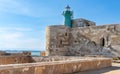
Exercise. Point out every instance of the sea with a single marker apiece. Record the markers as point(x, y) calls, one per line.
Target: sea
point(33, 53)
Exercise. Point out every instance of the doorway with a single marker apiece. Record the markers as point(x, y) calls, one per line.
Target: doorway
point(102, 42)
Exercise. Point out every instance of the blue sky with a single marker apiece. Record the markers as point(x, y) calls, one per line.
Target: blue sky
point(23, 22)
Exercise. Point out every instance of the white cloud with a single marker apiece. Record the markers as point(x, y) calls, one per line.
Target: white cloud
point(7, 36)
point(23, 29)
point(16, 37)
point(19, 39)
point(3, 29)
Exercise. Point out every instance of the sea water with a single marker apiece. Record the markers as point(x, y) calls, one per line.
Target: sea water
point(33, 53)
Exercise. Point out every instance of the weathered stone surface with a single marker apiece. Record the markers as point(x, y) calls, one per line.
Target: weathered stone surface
point(82, 23)
point(42, 53)
point(15, 59)
point(80, 41)
point(58, 67)
point(2, 53)
point(24, 53)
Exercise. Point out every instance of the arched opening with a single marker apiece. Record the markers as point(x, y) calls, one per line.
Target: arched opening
point(102, 42)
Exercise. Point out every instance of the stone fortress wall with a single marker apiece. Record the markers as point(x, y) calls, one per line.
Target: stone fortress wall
point(90, 40)
point(84, 38)
point(15, 58)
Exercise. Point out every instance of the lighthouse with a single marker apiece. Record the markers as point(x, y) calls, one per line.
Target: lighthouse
point(68, 15)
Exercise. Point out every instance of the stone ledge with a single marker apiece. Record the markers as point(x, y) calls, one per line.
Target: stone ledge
point(56, 67)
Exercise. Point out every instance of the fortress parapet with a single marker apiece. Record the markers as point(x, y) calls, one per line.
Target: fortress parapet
point(80, 41)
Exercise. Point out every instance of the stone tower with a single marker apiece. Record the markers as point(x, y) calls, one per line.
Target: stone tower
point(68, 16)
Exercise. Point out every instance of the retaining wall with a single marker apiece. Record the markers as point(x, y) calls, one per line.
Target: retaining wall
point(58, 67)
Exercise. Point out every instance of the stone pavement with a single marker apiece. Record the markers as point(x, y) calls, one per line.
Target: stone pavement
point(115, 69)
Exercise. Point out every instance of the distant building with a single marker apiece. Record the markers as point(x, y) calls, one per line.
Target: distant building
point(82, 23)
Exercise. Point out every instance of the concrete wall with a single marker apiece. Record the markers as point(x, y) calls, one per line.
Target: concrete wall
point(61, 67)
point(94, 40)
